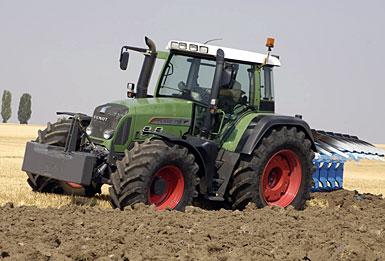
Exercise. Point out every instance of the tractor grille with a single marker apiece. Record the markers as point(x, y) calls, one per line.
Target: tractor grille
point(123, 132)
point(106, 117)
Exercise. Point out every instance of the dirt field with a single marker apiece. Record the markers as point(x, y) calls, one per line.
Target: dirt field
point(342, 225)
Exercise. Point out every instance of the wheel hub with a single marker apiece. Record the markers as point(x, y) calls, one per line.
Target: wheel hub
point(281, 178)
point(158, 186)
point(274, 177)
point(166, 187)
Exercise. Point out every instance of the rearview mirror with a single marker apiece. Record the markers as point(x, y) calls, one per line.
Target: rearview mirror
point(124, 60)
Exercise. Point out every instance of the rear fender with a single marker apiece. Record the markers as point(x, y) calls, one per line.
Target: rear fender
point(259, 126)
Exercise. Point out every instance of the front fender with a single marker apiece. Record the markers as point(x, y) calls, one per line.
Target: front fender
point(198, 157)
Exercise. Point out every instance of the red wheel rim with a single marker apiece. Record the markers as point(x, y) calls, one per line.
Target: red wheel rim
point(74, 185)
point(281, 178)
point(173, 192)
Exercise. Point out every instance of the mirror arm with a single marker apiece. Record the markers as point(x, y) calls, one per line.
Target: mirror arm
point(136, 49)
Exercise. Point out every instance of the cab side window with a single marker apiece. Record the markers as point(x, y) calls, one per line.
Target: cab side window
point(242, 91)
point(267, 84)
point(267, 89)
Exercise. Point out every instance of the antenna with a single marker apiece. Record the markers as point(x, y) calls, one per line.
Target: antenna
point(212, 40)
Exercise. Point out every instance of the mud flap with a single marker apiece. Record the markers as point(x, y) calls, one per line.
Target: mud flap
point(53, 162)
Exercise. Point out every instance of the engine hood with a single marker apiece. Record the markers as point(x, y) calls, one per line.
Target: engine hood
point(153, 102)
point(158, 111)
point(128, 118)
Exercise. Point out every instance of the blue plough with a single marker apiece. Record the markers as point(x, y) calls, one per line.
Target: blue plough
point(333, 150)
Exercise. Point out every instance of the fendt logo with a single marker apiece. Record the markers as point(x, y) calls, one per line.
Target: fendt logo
point(100, 118)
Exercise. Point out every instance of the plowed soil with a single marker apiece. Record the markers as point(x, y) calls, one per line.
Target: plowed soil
point(341, 225)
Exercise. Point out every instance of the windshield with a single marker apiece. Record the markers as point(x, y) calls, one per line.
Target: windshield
point(188, 78)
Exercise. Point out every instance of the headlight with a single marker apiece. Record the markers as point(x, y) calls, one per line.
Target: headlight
point(194, 47)
point(107, 134)
point(174, 45)
point(183, 46)
point(89, 130)
point(203, 49)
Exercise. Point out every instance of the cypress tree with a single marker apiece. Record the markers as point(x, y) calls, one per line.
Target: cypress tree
point(24, 113)
point(6, 110)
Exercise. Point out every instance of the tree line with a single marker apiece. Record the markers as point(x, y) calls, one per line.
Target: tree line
point(24, 112)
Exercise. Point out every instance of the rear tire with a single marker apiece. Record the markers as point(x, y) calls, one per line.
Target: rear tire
point(155, 172)
point(278, 172)
point(56, 134)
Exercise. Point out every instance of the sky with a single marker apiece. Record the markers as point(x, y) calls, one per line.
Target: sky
point(66, 53)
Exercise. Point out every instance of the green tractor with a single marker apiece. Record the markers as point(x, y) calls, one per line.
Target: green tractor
point(208, 134)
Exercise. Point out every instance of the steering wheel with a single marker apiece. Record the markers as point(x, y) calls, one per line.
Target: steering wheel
point(203, 93)
point(197, 92)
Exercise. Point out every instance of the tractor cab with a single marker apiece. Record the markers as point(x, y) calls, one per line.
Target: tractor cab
point(246, 82)
point(190, 72)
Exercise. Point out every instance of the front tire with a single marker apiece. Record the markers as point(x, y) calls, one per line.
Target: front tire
point(155, 172)
point(277, 173)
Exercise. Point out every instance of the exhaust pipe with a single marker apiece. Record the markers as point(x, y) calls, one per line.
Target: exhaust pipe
point(147, 69)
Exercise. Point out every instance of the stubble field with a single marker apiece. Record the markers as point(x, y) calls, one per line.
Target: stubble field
point(341, 225)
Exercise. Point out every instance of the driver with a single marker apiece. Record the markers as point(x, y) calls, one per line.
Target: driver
point(197, 93)
point(229, 98)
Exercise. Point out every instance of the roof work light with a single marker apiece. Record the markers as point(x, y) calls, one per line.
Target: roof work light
point(269, 45)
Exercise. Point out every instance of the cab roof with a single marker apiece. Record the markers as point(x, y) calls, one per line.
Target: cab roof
point(230, 53)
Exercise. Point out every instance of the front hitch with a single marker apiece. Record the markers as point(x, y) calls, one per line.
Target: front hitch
point(73, 133)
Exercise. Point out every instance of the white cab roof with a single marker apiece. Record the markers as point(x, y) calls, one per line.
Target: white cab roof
point(230, 53)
